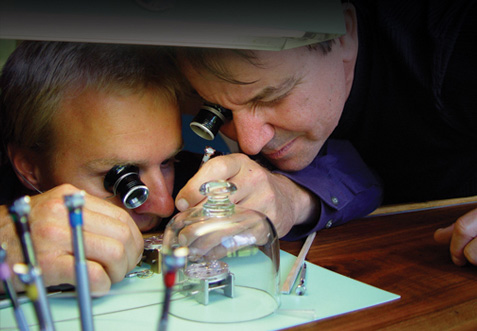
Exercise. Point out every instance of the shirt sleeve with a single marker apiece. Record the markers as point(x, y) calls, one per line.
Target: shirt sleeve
point(346, 188)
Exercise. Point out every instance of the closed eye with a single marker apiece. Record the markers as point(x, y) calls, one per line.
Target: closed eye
point(271, 103)
point(168, 162)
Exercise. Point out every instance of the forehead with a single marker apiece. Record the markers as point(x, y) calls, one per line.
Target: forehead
point(240, 66)
point(227, 72)
point(131, 126)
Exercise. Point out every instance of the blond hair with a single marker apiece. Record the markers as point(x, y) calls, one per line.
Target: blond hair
point(38, 75)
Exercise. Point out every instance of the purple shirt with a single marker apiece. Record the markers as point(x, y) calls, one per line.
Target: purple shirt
point(345, 186)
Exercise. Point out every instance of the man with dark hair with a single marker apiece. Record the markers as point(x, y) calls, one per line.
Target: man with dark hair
point(398, 86)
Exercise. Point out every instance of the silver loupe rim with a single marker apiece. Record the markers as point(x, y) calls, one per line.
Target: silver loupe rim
point(202, 131)
point(140, 201)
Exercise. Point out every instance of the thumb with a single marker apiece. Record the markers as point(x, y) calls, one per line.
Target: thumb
point(444, 235)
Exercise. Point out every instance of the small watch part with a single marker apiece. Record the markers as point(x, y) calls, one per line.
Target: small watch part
point(152, 252)
point(209, 276)
point(146, 273)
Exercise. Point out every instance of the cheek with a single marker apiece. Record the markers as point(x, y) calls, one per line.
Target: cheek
point(95, 186)
point(326, 105)
point(169, 179)
point(303, 113)
point(328, 88)
point(57, 173)
point(68, 173)
point(228, 129)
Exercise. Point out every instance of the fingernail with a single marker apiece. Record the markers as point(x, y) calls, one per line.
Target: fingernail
point(139, 259)
point(182, 204)
point(182, 240)
point(458, 261)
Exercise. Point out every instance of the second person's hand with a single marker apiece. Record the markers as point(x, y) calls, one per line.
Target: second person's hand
point(285, 203)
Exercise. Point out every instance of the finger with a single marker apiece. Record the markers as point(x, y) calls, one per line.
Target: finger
point(222, 167)
point(230, 245)
point(465, 230)
point(62, 271)
point(224, 247)
point(103, 207)
point(218, 243)
point(444, 235)
point(53, 202)
point(126, 233)
point(50, 206)
point(109, 253)
point(107, 241)
point(55, 253)
point(106, 208)
point(204, 235)
point(212, 228)
point(470, 252)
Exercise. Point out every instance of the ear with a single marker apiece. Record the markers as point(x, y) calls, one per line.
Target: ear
point(24, 165)
point(349, 41)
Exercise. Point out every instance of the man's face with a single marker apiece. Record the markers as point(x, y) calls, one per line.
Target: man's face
point(290, 106)
point(95, 131)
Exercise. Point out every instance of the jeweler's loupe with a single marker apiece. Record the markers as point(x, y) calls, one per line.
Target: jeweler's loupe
point(211, 117)
point(124, 181)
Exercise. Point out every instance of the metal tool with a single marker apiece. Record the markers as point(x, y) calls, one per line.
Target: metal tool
point(5, 276)
point(291, 278)
point(301, 287)
point(30, 273)
point(172, 262)
point(75, 203)
point(208, 153)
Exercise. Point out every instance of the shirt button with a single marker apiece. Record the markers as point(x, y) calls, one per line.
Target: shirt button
point(334, 200)
point(329, 224)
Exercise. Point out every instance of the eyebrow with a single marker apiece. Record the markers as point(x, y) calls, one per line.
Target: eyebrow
point(268, 91)
point(98, 164)
point(104, 163)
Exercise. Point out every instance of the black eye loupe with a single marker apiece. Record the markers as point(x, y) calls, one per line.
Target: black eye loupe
point(208, 121)
point(125, 182)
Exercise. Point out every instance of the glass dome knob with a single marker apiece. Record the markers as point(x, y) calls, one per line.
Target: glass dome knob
point(218, 202)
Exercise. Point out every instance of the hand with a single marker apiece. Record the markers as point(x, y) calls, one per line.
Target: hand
point(113, 243)
point(285, 203)
point(462, 236)
point(219, 237)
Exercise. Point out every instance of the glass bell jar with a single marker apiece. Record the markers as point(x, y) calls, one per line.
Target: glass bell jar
point(231, 271)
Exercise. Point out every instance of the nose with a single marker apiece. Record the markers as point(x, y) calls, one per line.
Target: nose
point(252, 132)
point(160, 200)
